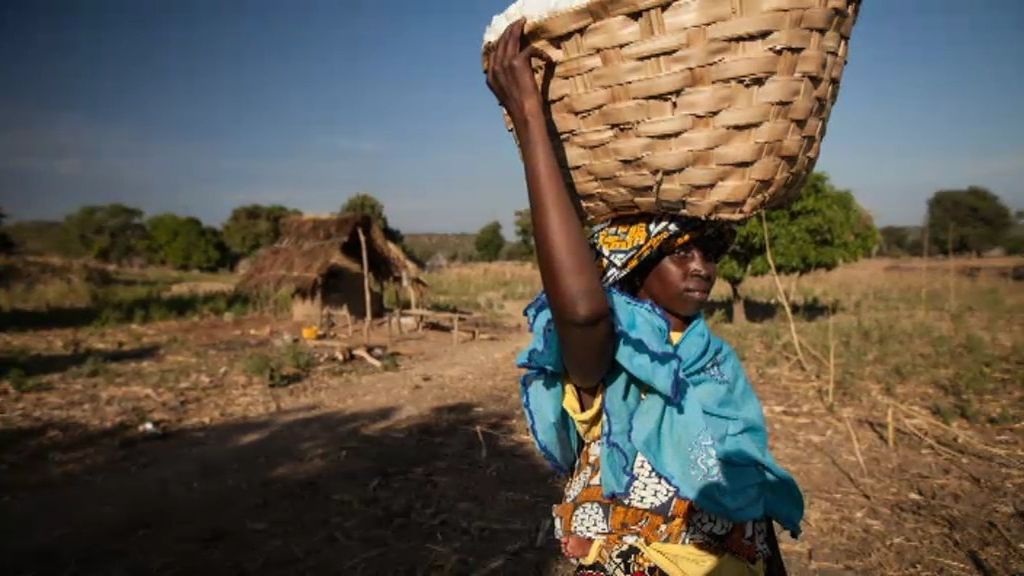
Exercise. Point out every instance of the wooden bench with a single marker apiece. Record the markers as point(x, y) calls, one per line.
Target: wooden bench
point(454, 319)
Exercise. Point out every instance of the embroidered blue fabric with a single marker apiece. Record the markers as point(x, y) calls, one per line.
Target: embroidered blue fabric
point(687, 407)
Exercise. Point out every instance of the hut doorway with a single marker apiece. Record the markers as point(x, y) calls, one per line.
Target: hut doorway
point(342, 288)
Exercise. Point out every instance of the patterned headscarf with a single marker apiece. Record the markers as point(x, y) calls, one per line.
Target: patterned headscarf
point(623, 245)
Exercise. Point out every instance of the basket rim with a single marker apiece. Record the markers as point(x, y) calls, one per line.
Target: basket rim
point(532, 25)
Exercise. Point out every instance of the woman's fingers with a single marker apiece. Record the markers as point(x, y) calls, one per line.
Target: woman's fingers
point(509, 70)
point(502, 55)
point(499, 47)
point(494, 78)
point(502, 46)
point(510, 40)
point(517, 37)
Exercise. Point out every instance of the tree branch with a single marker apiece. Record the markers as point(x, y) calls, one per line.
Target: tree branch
point(782, 295)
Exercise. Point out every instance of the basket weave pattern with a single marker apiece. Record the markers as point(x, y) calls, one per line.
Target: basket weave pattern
point(703, 108)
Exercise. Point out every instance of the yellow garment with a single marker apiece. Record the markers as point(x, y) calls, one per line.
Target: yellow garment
point(674, 559)
point(688, 560)
point(588, 423)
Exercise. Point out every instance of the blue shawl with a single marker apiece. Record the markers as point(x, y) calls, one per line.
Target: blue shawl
point(687, 407)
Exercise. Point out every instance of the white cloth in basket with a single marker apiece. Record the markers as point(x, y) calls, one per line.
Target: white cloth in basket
point(529, 9)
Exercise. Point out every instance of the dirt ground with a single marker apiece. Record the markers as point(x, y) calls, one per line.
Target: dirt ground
point(426, 469)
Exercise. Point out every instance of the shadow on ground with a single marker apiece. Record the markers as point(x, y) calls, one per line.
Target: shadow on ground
point(39, 364)
point(762, 311)
point(296, 494)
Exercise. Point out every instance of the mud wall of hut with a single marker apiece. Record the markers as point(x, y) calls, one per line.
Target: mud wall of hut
point(340, 289)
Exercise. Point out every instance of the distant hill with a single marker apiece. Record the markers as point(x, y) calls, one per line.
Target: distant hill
point(454, 247)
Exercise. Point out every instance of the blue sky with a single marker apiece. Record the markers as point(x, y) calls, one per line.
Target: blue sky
point(199, 106)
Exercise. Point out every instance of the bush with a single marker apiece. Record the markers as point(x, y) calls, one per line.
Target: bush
point(297, 358)
point(292, 364)
point(20, 381)
point(93, 367)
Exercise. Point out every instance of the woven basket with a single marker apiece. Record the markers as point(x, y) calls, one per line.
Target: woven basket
point(704, 108)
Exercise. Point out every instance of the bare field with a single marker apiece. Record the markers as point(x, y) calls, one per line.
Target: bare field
point(157, 446)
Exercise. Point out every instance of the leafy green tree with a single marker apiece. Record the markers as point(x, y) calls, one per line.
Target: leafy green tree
point(489, 242)
point(254, 226)
point(822, 229)
point(366, 205)
point(970, 221)
point(111, 233)
point(184, 243)
point(524, 231)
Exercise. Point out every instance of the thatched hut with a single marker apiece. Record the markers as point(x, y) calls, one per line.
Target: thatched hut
point(319, 261)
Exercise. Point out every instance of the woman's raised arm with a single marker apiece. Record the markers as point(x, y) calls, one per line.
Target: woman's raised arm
point(578, 302)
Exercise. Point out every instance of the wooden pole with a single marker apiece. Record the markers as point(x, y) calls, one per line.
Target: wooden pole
point(831, 362)
point(388, 321)
point(782, 296)
point(455, 331)
point(412, 296)
point(952, 269)
point(890, 429)
point(924, 272)
point(856, 446)
point(366, 285)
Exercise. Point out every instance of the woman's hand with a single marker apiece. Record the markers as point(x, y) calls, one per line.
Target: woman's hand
point(510, 74)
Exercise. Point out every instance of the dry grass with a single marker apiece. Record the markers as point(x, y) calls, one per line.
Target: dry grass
point(485, 287)
point(912, 333)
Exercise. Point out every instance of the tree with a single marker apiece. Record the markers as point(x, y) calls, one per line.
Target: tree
point(111, 233)
point(254, 226)
point(6, 244)
point(822, 229)
point(900, 240)
point(969, 221)
point(366, 205)
point(184, 243)
point(489, 242)
point(524, 231)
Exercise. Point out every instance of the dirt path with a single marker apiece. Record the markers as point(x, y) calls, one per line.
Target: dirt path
point(428, 470)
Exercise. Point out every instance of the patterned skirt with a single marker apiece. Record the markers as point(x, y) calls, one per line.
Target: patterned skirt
point(627, 561)
point(652, 512)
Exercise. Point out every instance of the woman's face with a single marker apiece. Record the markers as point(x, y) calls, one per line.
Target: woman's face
point(680, 283)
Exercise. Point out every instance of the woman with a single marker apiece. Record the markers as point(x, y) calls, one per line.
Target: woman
point(626, 390)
